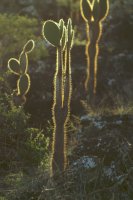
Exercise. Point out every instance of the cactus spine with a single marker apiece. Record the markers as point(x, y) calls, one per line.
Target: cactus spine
point(93, 12)
point(61, 37)
point(20, 68)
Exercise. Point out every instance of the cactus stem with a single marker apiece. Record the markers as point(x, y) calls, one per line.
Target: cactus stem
point(97, 12)
point(63, 41)
point(96, 56)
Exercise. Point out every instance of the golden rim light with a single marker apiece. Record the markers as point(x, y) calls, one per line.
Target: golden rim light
point(91, 5)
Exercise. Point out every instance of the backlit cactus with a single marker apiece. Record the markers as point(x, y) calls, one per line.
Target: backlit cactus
point(93, 12)
point(20, 68)
point(61, 37)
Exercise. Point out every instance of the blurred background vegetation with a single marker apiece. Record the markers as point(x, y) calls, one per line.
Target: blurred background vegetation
point(25, 133)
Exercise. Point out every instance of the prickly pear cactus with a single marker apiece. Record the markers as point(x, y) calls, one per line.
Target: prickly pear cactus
point(20, 67)
point(70, 34)
point(52, 32)
point(14, 66)
point(100, 9)
point(61, 37)
point(86, 10)
point(29, 46)
point(23, 84)
point(93, 12)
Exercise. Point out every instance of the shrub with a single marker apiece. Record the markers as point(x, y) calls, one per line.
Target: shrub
point(15, 31)
point(20, 147)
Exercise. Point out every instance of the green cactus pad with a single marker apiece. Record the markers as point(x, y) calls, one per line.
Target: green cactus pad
point(103, 7)
point(64, 39)
point(23, 84)
point(70, 33)
point(29, 46)
point(72, 39)
point(14, 66)
point(69, 27)
point(52, 33)
point(61, 25)
point(23, 62)
point(63, 33)
point(86, 11)
point(96, 10)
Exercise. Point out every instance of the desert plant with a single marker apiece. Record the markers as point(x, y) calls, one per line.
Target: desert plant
point(61, 37)
point(22, 147)
point(20, 68)
point(93, 12)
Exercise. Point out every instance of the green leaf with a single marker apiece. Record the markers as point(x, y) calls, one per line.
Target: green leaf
point(14, 66)
point(52, 33)
point(23, 84)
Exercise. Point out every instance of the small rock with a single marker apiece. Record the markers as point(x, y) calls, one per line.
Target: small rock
point(86, 162)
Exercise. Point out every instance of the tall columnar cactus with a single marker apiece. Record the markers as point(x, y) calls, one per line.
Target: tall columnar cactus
point(61, 37)
point(93, 12)
point(20, 68)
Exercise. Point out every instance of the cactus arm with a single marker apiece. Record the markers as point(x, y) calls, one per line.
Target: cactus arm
point(104, 9)
point(13, 66)
point(58, 157)
point(20, 67)
point(67, 82)
point(97, 35)
point(29, 46)
point(99, 10)
point(88, 32)
point(86, 10)
point(59, 74)
point(92, 50)
point(23, 60)
point(67, 99)
point(23, 84)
